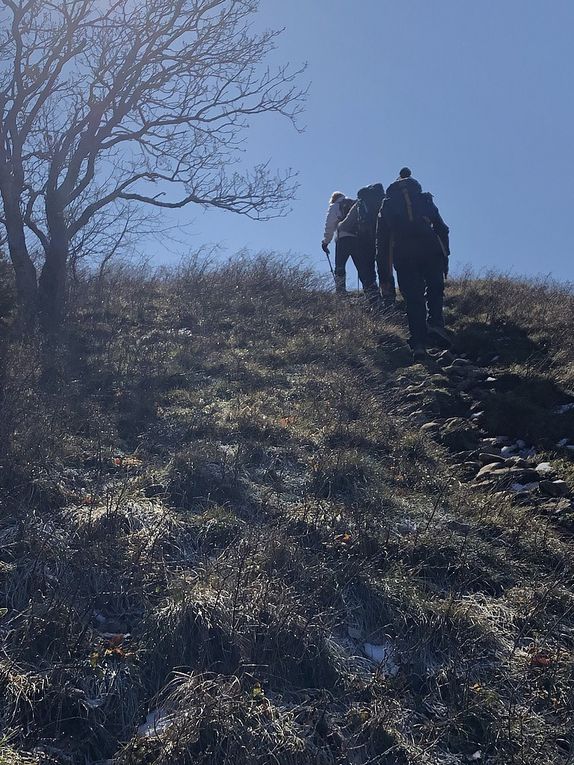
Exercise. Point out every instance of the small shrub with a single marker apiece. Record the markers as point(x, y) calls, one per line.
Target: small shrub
point(199, 477)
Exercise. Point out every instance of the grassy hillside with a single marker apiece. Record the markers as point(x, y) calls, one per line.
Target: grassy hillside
point(238, 526)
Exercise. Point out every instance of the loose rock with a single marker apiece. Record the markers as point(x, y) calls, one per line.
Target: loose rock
point(519, 462)
point(524, 488)
point(487, 470)
point(544, 468)
point(555, 488)
point(496, 441)
point(486, 458)
point(470, 468)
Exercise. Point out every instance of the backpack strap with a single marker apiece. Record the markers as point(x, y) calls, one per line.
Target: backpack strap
point(408, 203)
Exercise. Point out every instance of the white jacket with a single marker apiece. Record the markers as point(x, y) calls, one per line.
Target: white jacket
point(334, 217)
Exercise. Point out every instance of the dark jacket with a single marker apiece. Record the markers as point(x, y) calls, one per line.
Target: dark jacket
point(426, 231)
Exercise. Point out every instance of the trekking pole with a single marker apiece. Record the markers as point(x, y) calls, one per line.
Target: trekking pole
point(326, 251)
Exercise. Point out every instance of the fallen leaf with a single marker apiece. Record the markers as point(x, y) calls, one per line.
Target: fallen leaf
point(540, 660)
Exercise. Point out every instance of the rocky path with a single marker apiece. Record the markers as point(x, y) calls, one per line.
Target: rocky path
point(447, 402)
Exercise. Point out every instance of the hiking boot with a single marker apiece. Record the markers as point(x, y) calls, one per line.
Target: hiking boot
point(420, 354)
point(440, 334)
point(388, 294)
point(341, 286)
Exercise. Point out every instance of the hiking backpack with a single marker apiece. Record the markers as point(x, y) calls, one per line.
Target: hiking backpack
point(408, 211)
point(369, 202)
point(345, 207)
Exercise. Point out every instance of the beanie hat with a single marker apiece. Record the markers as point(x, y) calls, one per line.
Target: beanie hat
point(405, 173)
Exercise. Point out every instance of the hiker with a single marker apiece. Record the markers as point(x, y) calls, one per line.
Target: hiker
point(412, 236)
point(364, 214)
point(361, 223)
point(345, 241)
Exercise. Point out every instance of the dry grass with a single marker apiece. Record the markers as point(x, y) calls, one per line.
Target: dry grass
point(223, 508)
point(526, 322)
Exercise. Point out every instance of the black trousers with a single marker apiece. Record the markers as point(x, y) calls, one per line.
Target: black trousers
point(345, 248)
point(363, 256)
point(421, 280)
point(365, 262)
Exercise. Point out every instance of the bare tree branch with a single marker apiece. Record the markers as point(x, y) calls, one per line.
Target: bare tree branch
point(132, 102)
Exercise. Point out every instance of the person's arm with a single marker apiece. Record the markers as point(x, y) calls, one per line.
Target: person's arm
point(331, 224)
point(442, 231)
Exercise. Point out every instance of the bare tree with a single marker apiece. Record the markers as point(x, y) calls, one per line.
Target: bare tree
point(107, 104)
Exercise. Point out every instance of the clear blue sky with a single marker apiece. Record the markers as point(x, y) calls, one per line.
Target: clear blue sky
point(476, 97)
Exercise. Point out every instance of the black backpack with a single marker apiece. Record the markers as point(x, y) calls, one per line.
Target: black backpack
point(369, 202)
point(408, 211)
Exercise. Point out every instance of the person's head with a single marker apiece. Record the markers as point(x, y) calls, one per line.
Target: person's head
point(404, 175)
point(335, 196)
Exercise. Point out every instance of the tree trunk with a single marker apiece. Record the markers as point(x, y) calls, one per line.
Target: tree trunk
point(24, 269)
point(52, 290)
point(53, 279)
